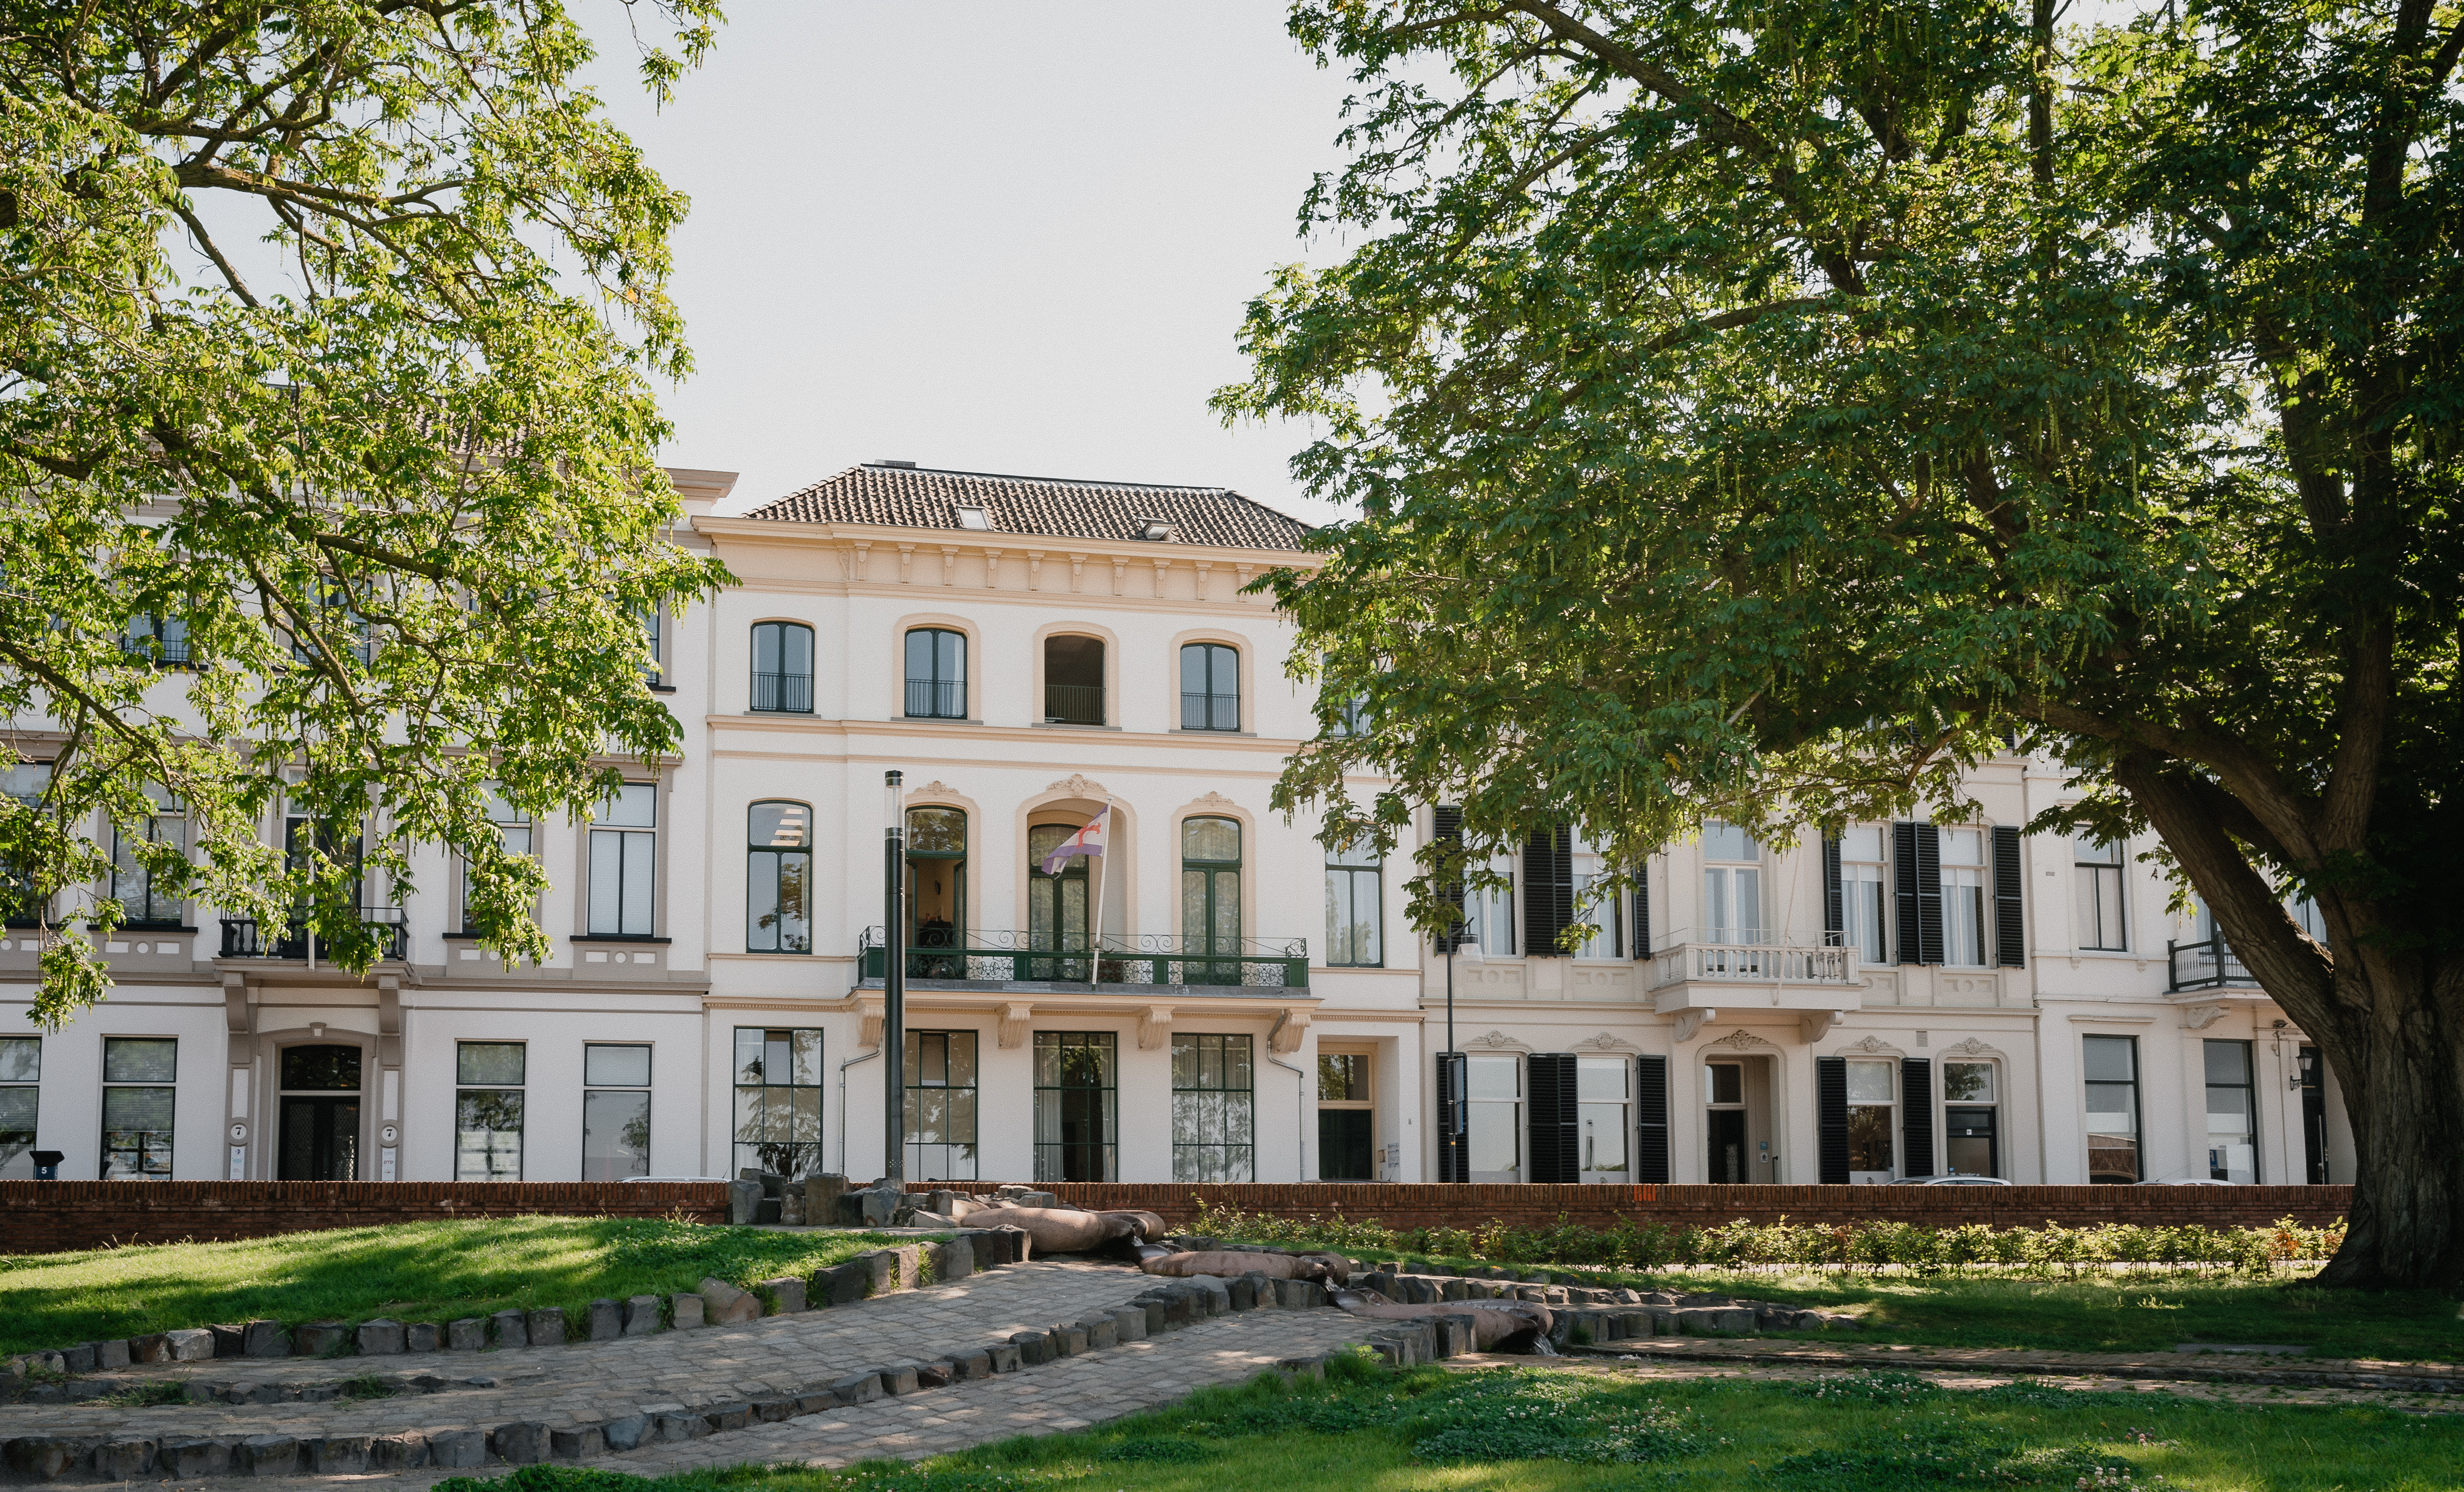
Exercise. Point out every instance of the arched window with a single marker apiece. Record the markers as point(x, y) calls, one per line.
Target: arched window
point(779, 879)
point(1210, 898)
point(937, 673)
point(1210, 686)
point(1073, 680)
point(783, 667)
point(937, 893)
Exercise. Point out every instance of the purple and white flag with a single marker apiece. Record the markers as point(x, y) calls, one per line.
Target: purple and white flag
point(1088, 840)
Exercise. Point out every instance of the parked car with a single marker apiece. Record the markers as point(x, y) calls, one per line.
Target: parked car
point(1952, 1180)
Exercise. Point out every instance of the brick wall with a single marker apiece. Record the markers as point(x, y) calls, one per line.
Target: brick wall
point(49, 1217)
point(1422, 1205)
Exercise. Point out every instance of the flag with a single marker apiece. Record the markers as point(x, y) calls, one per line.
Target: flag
point(1088, 840)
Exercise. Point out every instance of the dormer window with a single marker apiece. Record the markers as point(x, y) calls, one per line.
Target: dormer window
point(976, 519)
point(1158, 530)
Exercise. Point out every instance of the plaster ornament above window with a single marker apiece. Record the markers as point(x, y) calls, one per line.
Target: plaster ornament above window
point(1498, 1040)
point(936, 786)
point(2198, 1017)
point(1740, 1039)
point(1971, 1047)
point(1606, 1042)
point(1872, 1046)
point(1214, 799)
point(1077, 787)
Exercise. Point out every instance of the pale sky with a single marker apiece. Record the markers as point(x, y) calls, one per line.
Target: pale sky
point(991, 237)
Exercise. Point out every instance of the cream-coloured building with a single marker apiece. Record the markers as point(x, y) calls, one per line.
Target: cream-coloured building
point(1216, 997)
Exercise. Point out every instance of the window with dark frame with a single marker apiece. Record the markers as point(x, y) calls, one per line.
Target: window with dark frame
point(1214, 1107)
point(150, 898)
point(624, 863)
point(1210, 686)
point(514, 827)
point(1970, 1118)
point(778, 878)
point(1077, 1111)
point(941, 1106)
point(2111, 1065)
point(615, 1110)
point(489, 1102)
point(937, 673)
point(1872, 1118)
point(783, 668)
point(2232, 1113)
point(1073, 680)
point(21, 1077)
point(139, 1099)
point(1355, 908)
point(779, 1100)
point(2096, 897)
point(26, 781)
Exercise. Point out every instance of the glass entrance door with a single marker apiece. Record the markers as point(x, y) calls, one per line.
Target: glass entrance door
point(1056, 907)
point(319, 1139)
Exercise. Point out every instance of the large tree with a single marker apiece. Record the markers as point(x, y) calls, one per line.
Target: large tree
point(328, 337)
point(1769, 411)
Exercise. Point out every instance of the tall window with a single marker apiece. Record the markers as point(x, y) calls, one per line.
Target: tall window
point(1214, 1125)
point(1073, 680)
point(1210, 897)
point(2232, 1114)
point(1732, 884)
point(936, 892)
point(2097, 894)
point(1346, 1117)
point(139, 1099)
point(778, 1101)
point(1964, 926)
point(783, 667)
point(1971, 1136)
point(615, 1110)
point(1865, 892)
point(1352, 908)
point(488, 1110)
point(26, 781)
point(514, 827)
point(624, 860)
point(163, 640)
point(1489, 909)
point(1210, 686)
point(779, 880)
point(21, 1076)
point(2111, 1064)
point(941, 1106)
point(150, 897)
point(1494, 1084)
point(937, 673)
point(1056, 905)
point(1077, 1120)
point(654, 642)
point(1601, 1092)
point(1869, 1119)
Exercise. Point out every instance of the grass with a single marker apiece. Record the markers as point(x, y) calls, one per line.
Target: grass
point(2135, 1313)
point(420, 1271)
point(1542, 1431)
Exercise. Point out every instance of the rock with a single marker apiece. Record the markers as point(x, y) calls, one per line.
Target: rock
point(822, 1196)
point(603, 1319)
point(1244, 1291)
point(685, 1311)
point(457, 1448)
point(734, 1415)
point(111, 1354)
point(466, 1335)
point(510, 1328)
point(123, 1460)
point(629, 1432)
point(1016, 1245)
point(1004, 1356)
point(583, 1443)
point(723, 1305)
point(1156, 1311)
point(972, 1366)
point(786, 1295)
point(641, 1315)
point(841, 1285)
point(42, 1457)
point(194, 1459)
point(775, 1409)
point(1633, 1324)
point(546, 1327)
point(422, 1336)
point(1301, 1294)
point(1068, 1341)
point(880, 1268)
point(1216, 1294)
point(1101, 1333)
point(820, 1402)
point(520, 1443)
point(1295, 1369)
point(743, 1202)
point(897, 1380)
point(323, 1338)
point(79, 1358)
point(1129, 1324)
point(154, 1347)
point(380, 1338)
point(936, 1375)
point(1714, 1319)
point(1034, 1348)
point(228, 1339)
point(265, 1339)
point(337, 1455)
point(407, 1451)
point(791, 1207)
point(955, 1259)
point(860, 1388)
point(266, 1455)
point(678, 1424)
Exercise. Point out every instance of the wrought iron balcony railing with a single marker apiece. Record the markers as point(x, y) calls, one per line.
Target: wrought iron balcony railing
point(1073, 704)
point(987, 957)
point(928, 699)
point(245, 937)
point(786, 693)
point(2207, 964)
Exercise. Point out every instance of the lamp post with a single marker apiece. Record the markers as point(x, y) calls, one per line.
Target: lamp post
point(1456, 1141)
point(893, 985)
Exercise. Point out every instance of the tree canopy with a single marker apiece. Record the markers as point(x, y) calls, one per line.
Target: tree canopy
point(328, 485)
point(1768, 412)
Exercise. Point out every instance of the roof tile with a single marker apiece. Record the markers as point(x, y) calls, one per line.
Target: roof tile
point(898, 496)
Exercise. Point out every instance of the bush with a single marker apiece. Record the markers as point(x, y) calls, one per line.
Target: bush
point(2049, 1250)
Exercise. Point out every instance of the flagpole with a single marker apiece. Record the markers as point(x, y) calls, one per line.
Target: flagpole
point(1095, 954)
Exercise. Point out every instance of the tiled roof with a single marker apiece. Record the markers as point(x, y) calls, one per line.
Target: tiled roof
point(900, 496)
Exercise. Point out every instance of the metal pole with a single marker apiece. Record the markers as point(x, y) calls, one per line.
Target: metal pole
point(893, 986)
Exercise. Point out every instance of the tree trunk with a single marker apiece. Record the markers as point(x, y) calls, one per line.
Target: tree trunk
point(2400, 1064)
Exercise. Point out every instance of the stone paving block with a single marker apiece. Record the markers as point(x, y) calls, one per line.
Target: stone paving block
point(466, 1335)
point(938, 1374)
point(972, 1366)
point(897, 1380)
point(641, 1315)
point(546, 1327)
point(337, 1455)
point(773, 1409)
point(519, 1443)
point(728, 1417)
point(1101, 1333)
point(603, 1320)
point(110, 1353)
point(786, 1294)
point(880, 1270)
point(841, 1286)
point(628, 1431)
point(422, 1336)
point(380, 1338)
point(1129, 1324)
point(680, 1425)
point(123, 1460)
point(1216, 1293)
point(404, 1452)
point(815, 1403)
point(583, 1443)
point(193, 1457)
point(860, 1388)
point(154, 1347)
point(457, 1450)
point(1068, 1341)
point(79, 1358)
point(723, 1305)
point(1034, 1348)
point(955, 1259)
point(42, 1457)
point(685, 1311)
point(266, 1455)
point(322, 1338)
point(265, 1339)
point(1243, 1290)
point(510, 1328)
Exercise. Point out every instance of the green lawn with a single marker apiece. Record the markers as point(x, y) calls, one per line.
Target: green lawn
point(2147, 1311)
point(421, 1271)
point(1542, 1431)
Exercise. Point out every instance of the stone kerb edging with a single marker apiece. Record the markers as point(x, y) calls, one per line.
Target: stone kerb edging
point(1167, 1305)
point(1589, 1315)
point(70, 1374)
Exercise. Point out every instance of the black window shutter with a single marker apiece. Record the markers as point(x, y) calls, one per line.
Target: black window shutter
point(1928, 894)
point(1834, 901)
point(1642, 909)
point(1548, 891)
point(1454, 1119)
point(1904, 891)
point(1556, 1146)
point(1446, 825)
point(1831, 1118)
point(1916, 1117)
point(2010, 931)
point(1651, 1120)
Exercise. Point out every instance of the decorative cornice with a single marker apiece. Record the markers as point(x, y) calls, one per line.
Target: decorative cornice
point(1606, 1042)
point(1871, 1046)
point(1744, 1041)
point(1077, 786)
point(1498, 1041)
